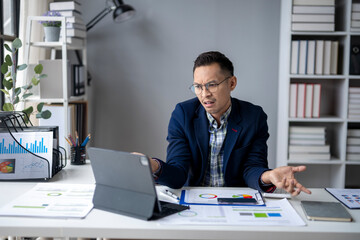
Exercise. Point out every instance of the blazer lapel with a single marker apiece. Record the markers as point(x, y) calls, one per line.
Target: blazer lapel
point(234, 129)
point(201, 124)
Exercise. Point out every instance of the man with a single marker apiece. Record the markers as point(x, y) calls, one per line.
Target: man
point(217, 140)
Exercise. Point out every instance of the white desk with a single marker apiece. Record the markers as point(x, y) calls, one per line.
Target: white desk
point(108, 225)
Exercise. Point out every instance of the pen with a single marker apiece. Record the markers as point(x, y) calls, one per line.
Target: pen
point(171, 194)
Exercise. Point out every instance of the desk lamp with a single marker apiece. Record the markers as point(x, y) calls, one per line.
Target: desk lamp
point(122, 12)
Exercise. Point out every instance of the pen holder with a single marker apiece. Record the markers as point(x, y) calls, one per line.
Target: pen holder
point(78, 155)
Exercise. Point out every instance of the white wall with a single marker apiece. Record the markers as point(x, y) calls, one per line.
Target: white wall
point(143, 67)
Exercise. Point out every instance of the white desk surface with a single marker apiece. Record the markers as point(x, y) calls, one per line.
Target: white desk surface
point(109, 225)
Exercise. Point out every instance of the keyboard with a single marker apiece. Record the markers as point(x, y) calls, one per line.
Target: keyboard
point(168, 209)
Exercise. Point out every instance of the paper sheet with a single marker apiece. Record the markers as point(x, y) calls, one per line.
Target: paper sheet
point(210, 196)
point(52, 200)
point(275, 213)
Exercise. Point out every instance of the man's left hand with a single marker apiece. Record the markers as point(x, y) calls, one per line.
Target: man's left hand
point(283, 177)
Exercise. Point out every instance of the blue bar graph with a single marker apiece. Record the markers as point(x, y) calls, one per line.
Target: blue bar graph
point(14, 148)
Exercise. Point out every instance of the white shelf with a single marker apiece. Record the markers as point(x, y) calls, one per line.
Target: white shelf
point(334, 100)
point(63, 46)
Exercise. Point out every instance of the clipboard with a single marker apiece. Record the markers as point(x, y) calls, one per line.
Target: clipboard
point(250, 197)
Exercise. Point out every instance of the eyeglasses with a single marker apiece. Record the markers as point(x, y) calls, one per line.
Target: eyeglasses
point(211, 86)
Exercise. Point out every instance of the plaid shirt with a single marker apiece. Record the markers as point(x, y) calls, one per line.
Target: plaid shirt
point(214, 176)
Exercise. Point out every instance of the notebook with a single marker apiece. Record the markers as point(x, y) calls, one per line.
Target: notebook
point(325, 211)
point(125, 185)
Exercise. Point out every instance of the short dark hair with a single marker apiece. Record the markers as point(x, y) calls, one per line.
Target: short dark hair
point(208, 58)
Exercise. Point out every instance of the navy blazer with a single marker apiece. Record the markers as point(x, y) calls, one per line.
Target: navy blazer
point(245, 148)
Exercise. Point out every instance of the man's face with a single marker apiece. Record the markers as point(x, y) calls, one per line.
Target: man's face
point(216, 103)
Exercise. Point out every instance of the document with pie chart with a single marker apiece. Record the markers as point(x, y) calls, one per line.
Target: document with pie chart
point(206, 196)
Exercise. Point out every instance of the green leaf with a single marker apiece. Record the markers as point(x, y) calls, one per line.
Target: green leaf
point(28, 110)
point(27, 87)
point(38, 69)
point(22, 67)
point(46, 114)
point(8, 75)
point(4, 68)
point(40, 107)
point(16, 43)
point(7, 84)
point(42, 76)
point(17, 91)
point(7, 47)
point(26, 95)
point(8, 60)
point(17, 100)
point(8, 107)
point(35, 81)
point(4, 91)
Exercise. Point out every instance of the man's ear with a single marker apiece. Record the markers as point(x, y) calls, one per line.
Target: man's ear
point(233, 82)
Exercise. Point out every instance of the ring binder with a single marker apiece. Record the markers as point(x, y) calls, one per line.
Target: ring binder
point(27, 151)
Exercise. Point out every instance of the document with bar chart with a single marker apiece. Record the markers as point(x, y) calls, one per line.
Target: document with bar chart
point(27, 155)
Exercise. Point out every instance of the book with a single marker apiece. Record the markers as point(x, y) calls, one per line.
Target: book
point(355, 23)
point(318, 27)
point(76, 25)
point(352, 149)
point(310, 65)
point(73, 32)
point(355, 16)
point(295, 57)
point(309, 100)
point(307, 141)
point(327, 57)
point(309, 156)
point(70, 13)
point(334, 57)
point(353, 156)
point(314, 2)
point(325, 211)
point(319, 57)
point(355, 7)
point(307, 129)
point(68, 5)
point(353, 132)
point(78, 20)
point(293, 100)
point(354, 90)
point(307, 136)
point(316, 100)
point(301, 93)
point(302, 56)
point(314, 9)
point(313, 18)
point(309, 149)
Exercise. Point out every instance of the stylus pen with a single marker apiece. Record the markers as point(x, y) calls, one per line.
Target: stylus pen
point(171, 194)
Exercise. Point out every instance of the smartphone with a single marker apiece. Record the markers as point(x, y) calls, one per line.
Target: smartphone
point(236, 200)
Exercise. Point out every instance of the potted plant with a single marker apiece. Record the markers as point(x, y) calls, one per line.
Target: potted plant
point(51, 28)
point(13, 93)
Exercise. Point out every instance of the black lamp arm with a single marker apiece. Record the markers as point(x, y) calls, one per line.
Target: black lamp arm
point(98, 17)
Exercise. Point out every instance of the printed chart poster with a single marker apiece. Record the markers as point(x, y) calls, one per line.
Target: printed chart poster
point(28, 156)
point(275, 213)
point(210, 197)
point(52, 200)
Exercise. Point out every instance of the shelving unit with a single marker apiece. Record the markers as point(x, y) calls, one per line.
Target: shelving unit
point(62, 46)
point(337, 172)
